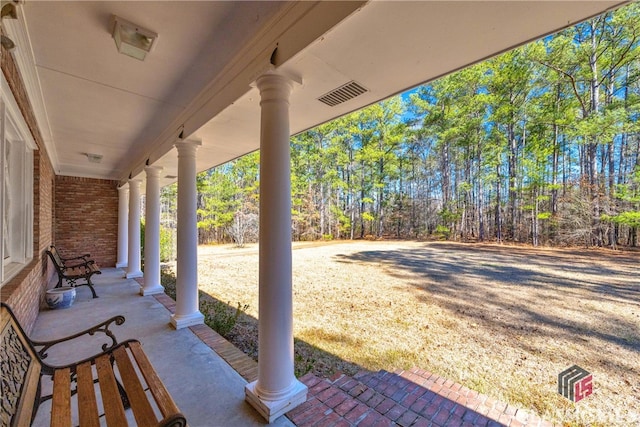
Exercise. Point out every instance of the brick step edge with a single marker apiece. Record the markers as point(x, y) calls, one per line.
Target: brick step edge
point(406, 398)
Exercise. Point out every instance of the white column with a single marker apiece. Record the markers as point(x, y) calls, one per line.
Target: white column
point(133, 265)
point(187, 308)
point(277, 390)
point(152, 233)
point(123, 225)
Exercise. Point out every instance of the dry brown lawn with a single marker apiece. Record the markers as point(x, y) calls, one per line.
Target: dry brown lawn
point(502, 320)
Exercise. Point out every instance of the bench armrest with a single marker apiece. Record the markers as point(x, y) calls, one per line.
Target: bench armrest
point(85, 258)
point(80, 263)
point(48, 369)
point(43, 346)
point(175, 420)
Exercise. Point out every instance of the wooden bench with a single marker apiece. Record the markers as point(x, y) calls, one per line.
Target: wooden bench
point(121, 372)
point(73, 269)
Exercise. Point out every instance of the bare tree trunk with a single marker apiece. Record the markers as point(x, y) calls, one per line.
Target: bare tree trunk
point(613, 230)
point(481, 231)
point(622, 161)
point(498, 216)
point(511, 231)
point(480, 187)
point(565, 168)
point(556, 153)
point(468, 214)
point(399, 206)
point(414, 194)
point(323, 211)
point(534, 219)
point(554, 172)
point(380, 207)
point(593, 143)
point(362, 207)
point(352, 208)
point(445, 175)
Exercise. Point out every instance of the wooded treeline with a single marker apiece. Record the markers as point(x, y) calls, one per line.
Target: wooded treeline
point(538, 145)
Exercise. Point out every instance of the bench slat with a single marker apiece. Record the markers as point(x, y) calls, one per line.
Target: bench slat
point(142, 410)
point(113, 409)
point(163, 398)
point(87, 405)
point(61, 405)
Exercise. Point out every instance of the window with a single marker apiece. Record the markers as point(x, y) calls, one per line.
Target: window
point(16, 189)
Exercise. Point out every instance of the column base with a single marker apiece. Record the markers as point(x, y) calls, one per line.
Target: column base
point(121, 265)
point(133, 274)
point(184, 321)
point(272, 409)
point(151, 290)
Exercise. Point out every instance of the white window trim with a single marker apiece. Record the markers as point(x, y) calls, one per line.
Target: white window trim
point(13, 124)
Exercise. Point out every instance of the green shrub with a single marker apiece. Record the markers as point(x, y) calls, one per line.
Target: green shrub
point(168, 281)
point(142, 239)
point(443, 232)
point(221, 317)
point(167, 244)
point(303, 365)
point(218, 316)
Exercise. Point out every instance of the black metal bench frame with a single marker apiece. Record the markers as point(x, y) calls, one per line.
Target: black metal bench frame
point(72, 261)
point(81, 267)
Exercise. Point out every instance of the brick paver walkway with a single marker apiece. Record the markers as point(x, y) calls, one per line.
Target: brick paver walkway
point(415, 398)
point(403, 398)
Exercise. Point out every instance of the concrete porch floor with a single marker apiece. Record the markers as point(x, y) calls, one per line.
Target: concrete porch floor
point(204, 386)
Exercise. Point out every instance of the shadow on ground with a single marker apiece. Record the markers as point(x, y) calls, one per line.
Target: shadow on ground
point(568, 294)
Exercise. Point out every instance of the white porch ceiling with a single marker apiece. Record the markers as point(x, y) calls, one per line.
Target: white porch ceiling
point(197, 80)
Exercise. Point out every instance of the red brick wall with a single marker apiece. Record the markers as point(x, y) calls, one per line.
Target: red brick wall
point(25, 292)
point(86, 218)
point(86, 208)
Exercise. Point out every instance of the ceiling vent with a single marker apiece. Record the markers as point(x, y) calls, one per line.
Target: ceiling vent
point(342, 94)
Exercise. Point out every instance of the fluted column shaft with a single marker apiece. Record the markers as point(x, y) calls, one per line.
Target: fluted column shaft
point(187, 310)
point(152, 233)
point(133, 263)
point(123, 226)
point(277, 390)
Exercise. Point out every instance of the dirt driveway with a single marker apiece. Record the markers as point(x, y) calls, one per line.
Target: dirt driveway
point(502, 320)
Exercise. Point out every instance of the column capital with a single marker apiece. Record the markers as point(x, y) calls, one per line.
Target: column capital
point(153, 171)
point(124, 187)
point(187, 147)
point(274, 86)
point(134, 183)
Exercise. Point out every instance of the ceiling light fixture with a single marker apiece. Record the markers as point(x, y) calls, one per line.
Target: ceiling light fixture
point(94, 158)
point(131, 39)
